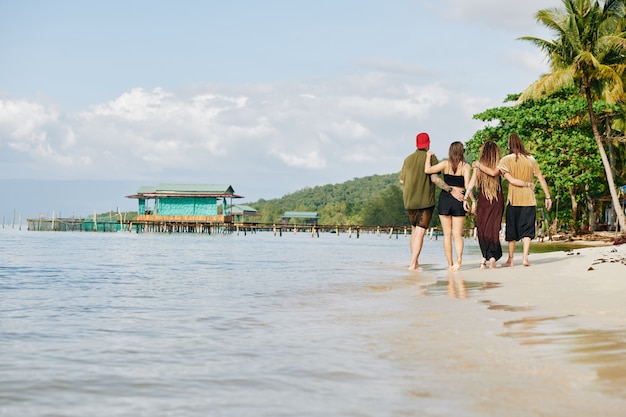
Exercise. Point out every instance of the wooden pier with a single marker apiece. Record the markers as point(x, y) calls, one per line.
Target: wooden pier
point(217, 226)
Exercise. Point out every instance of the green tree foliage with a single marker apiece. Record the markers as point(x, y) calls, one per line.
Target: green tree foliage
point(343, 203)
point(588, 51)
point(387, 209)
point(556, 131)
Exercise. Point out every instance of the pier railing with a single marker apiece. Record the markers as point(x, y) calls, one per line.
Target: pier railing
point(216, 224)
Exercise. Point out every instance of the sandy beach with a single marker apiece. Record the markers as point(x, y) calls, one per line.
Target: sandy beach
point(586, 283)
point(570, 301)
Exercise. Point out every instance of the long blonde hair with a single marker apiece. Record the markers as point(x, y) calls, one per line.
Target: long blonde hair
point(489, 157)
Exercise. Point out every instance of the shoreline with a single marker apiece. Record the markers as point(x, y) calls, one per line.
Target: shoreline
point(571, 301)
point(573, 280)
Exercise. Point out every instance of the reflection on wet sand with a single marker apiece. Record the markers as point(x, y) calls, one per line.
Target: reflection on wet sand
point(504, 307)
point(456, 287)
point(602, 349)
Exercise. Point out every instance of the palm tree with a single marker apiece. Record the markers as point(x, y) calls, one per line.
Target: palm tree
point(590, 52)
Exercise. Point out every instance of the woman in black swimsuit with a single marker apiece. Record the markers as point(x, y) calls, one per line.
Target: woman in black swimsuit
point(456, 174)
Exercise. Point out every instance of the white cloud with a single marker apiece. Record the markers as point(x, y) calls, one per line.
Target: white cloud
point(310, 160)
point(502, 14)
point(216, 131)
point(532, 60)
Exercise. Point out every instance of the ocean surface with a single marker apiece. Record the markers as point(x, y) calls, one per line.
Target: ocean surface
point(255, 324)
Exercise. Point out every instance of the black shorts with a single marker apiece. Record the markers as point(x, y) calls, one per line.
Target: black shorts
point(520, 222)
point(421, 217)
point(450, 206)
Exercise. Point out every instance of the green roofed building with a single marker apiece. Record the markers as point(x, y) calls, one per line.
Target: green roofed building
point(243, 213)
point(301, 217)
point(185, 202)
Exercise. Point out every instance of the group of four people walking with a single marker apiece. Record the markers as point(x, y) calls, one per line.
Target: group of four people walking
point(420, 174)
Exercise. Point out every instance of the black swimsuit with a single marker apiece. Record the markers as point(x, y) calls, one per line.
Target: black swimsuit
point(448, 205)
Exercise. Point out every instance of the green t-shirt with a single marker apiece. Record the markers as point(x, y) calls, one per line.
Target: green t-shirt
point(418, 190)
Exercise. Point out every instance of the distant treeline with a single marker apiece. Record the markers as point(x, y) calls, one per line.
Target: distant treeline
point(369, 201)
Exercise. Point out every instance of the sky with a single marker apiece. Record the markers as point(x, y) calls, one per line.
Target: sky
point(270, 96)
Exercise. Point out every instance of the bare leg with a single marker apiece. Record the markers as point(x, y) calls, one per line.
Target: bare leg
point(459, 242)
point(509, 262)
point(526, 242)
point(446, 226)
point(416, 242)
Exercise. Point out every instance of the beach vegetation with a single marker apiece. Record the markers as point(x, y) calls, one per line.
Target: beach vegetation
point(557, 132)
point(588, 51)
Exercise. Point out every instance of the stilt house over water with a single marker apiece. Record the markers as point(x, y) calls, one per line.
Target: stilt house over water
point(185, 203)
point(243, 213)
point(308, 218)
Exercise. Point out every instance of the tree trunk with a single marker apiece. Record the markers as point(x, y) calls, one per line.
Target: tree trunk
point(605, 161)
point(590, 210)
point(572, 196)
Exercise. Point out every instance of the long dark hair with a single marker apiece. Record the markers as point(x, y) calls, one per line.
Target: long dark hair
point(456, 155)
point(516, 146)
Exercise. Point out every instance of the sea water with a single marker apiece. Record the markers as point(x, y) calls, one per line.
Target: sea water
point(259, 324)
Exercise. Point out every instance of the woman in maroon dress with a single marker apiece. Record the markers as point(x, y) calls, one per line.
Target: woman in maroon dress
point(490, 204)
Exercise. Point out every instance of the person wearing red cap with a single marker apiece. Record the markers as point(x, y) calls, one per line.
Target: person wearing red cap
point(418, 190)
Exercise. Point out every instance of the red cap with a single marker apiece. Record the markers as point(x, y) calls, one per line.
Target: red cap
point(422, 140)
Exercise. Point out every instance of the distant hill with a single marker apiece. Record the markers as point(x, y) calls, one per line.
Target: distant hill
point(357, 191)
point(343, 203)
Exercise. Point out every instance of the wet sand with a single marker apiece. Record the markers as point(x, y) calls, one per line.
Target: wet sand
point(569, 304)
point(588, 283)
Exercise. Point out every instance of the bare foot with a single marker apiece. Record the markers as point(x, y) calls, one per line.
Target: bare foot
point(526, 263)
point(509, 262)
point(492, 263)
point(483, 265)
point(456, 266)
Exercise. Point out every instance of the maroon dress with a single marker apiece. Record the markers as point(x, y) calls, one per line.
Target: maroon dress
point(488, 222)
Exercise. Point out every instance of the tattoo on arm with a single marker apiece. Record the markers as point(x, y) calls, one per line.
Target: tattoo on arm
point(439, 182)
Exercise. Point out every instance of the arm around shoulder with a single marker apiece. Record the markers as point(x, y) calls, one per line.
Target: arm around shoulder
point(517, 182)
point(489, 171)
